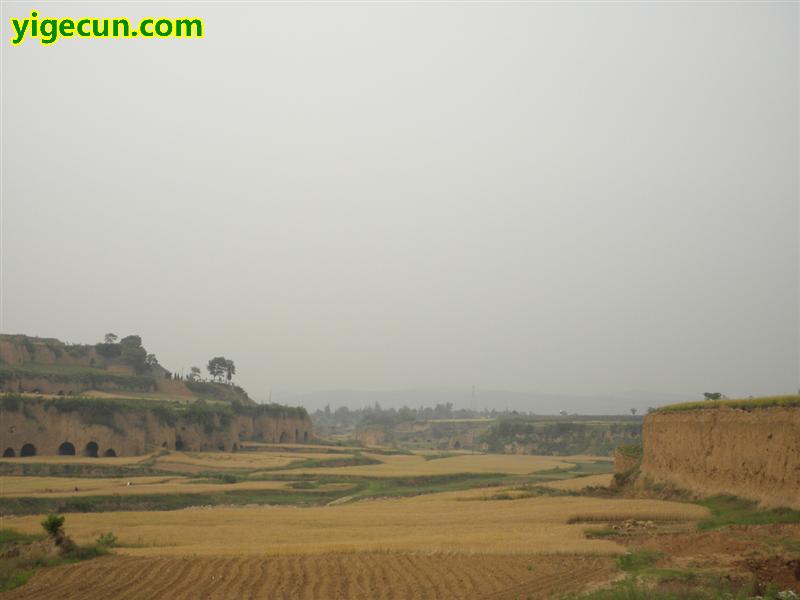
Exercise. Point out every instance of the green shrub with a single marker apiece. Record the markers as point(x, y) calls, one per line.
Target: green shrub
point(107, 540)
point(54, 525)
point(631, 450)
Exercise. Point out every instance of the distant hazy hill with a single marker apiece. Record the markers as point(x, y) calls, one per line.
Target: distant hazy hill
point(540, 403)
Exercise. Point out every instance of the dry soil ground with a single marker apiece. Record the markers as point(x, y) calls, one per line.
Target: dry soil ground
point(356, 576)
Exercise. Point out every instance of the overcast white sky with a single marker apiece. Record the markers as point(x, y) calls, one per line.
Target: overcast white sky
point(560, 197)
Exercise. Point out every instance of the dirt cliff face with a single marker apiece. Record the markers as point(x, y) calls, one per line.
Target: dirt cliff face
point(14, 353)
point(624, 463)
point(36, 430)
point(749, 453)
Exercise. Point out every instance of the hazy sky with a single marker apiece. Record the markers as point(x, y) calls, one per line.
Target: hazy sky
point(559, 197)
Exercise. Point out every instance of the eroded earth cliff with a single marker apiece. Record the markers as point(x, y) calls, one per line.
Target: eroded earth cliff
point(749, 452)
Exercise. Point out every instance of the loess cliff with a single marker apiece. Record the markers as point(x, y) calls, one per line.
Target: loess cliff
point(94, 427)
point(749, 451)
point(111, 399)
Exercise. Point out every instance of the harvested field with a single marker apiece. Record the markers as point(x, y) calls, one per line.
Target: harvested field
point(416, 465)
point(49, 487)
point(72, 460)
point(319, 577)
point(215, 461)
point(580, 483)
point(445, 522)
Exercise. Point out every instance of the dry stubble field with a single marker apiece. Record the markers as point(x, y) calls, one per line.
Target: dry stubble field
point(458, 544)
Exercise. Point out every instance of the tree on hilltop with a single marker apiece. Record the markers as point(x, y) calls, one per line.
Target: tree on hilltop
point(194, 374)
point(131, 341)
point(133, 353)
point(110, 338)
point(230, 369)
point(220, 367)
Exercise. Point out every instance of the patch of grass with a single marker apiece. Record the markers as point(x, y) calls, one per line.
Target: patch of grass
point(731, 510)
point(146, 502)
point(10, 536)
point(349, 461)
point(438, 455)
point(638, 560)
point(601, 532)
point(217, 477)
point(304, 485)
point(743, 404)
point(631, 450)
point(12, 576)
point(677, 584)
point(17, 570)
point(382, 487)
point(635, 588)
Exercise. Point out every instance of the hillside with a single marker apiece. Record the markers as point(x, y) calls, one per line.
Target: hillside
point(124, 368)
point(114, 399)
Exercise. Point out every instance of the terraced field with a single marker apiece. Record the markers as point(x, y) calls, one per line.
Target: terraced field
point(316, 522)
point(418, 466)
point(357, 576)
point(453, 522)
point(579, 483)
point(50, 487)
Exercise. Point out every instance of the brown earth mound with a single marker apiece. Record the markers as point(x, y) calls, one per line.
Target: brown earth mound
point(783, 571)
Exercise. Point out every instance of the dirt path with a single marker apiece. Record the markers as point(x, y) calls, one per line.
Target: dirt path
point(367, 576)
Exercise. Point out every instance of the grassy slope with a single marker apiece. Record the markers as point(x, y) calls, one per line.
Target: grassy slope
point(790, 401)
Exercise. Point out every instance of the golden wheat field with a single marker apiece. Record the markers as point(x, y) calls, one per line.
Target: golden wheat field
point(214, 461)
point(417, 466)
point(47, 487)
point(580, 483)
point(445, 545)
point(461, 522)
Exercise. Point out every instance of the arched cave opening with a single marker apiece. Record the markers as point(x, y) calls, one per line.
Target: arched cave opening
point(9, 453)
point(91, 449)
point(110, 452)
point(305, 436)
point(178, 443)
point(28, 450)
point(60, 393)
point(457, 445)
point(283, 437)
point(296, 436)
point(66, 449)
